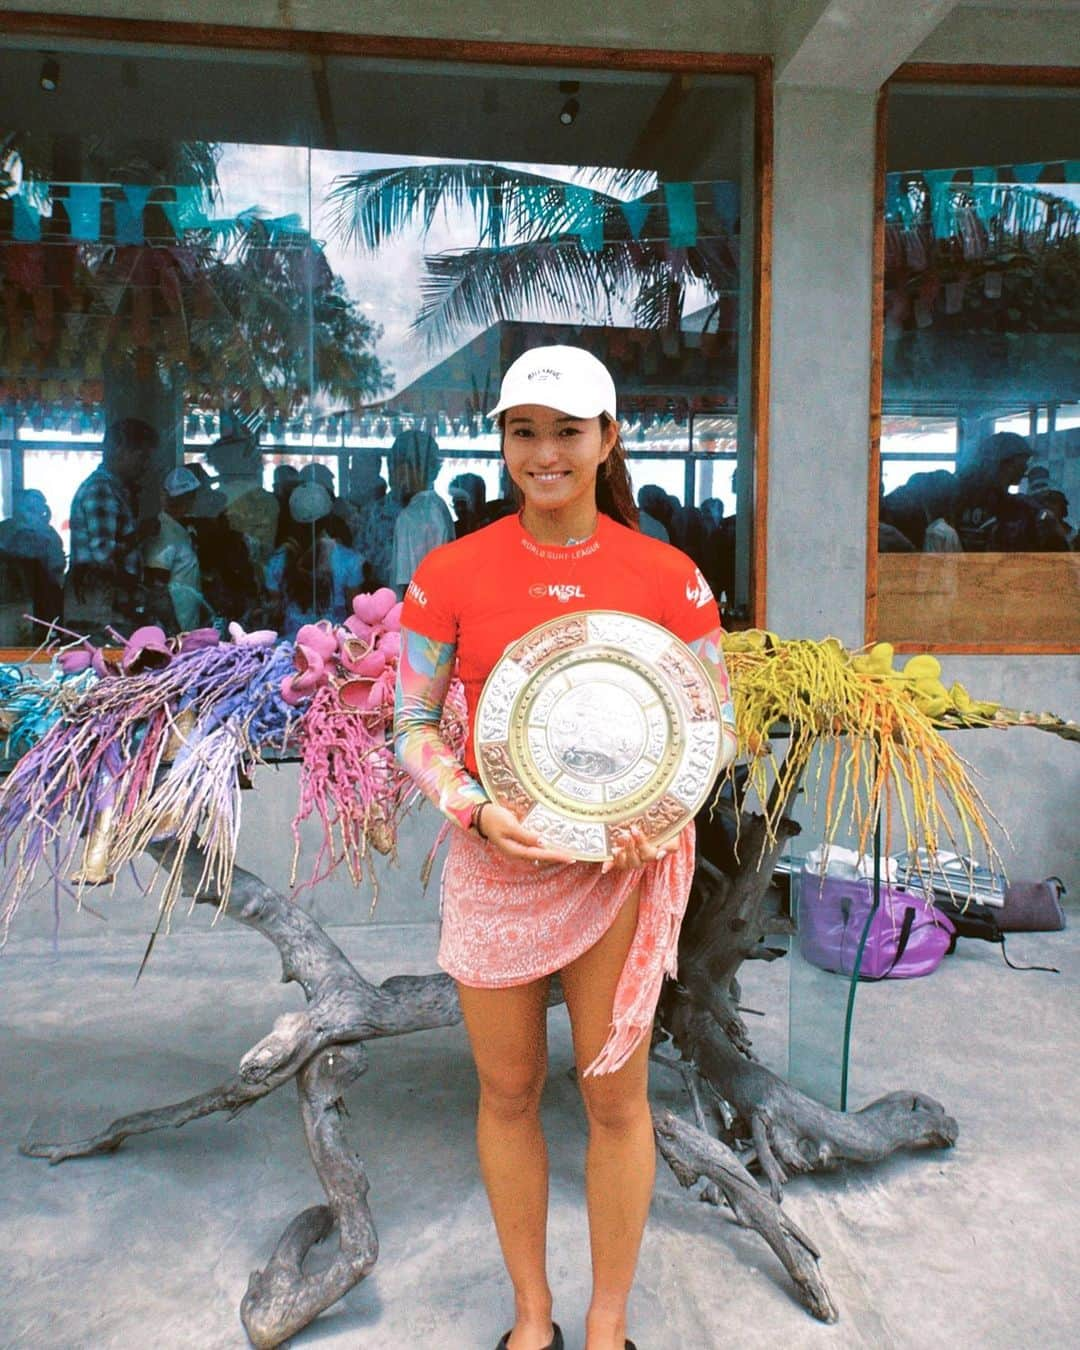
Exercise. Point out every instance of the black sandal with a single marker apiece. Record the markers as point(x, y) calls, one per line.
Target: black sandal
point(556, 1342)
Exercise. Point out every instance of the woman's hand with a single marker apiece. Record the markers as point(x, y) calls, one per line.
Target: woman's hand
point(507, 834)
point(632, 849)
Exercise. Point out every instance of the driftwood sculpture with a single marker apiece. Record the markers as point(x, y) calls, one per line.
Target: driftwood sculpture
point(150, 760)
point(322, 1049)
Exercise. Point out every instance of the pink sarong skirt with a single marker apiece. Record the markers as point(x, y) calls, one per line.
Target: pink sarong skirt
point(506, 922)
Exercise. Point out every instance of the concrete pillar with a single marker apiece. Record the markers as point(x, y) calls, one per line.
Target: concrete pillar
point(820, 376)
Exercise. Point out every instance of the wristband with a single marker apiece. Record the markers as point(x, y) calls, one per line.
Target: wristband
point(474, 821)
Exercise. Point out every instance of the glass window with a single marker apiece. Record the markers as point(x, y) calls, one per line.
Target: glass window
point(249, 315)
point(980, 448)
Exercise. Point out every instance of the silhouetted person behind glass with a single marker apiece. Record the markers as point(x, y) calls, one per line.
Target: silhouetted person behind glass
point(228, 580)
point(686, 530)
point(33, 554)
point(990, 517)
point(374, 537)
point(170, 560)
point(250, 509)
point(468, 497)
point(987, 516)
point(719, 565)
point(28, 534)
point(314, 574)
point(654, 511)
point(105, 538)
point(286, 479)
point(425, 521)
point(909, 510)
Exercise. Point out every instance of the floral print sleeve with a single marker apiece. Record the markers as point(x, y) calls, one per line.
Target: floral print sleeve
point(424, 671)
point(710, 652)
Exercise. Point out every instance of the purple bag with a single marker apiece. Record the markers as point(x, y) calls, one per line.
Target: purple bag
point(908, 937)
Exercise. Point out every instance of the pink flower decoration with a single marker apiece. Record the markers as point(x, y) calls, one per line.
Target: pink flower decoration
point(390, 644)
point(146, 649)
point(392, 617)
point(355, 694)
point(374, 608)
point(319, 637)
point(352, 652)
point(290, 693)
point(371, 664)
point(199, 639)
point(358, 628)
point(101, 666)
point(309, 662)
point(261, 637)
point(75, 660)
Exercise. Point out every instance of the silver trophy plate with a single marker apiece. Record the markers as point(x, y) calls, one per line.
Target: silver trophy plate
point(594, 723)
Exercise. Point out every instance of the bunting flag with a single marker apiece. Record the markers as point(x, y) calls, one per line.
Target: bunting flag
point(897, 201)
point(128, 215)
point(83, 205)
point(938, 184)
point(726, 205)
point(983, 178)
point(586, 219)
point(682, 214)
point(26, 219)
point(636, 213)
point(1009, 195)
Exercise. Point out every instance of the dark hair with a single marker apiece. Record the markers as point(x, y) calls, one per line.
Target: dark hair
point(131, 433)
point(614, 491)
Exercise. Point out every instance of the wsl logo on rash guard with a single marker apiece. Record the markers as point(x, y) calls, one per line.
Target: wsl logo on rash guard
point(558, 592)
point(698, 591)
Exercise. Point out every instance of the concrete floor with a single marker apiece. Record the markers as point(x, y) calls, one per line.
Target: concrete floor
point(152, 1246)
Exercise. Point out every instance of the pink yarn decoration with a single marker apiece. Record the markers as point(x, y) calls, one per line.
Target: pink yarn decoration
point(349, 777)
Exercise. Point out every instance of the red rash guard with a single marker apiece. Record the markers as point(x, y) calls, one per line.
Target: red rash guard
point(485, 591)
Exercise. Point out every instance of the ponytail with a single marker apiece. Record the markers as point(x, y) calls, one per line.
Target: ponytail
point(614, 491)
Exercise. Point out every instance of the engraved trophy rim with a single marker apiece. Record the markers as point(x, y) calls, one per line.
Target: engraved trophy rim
point(595, 721)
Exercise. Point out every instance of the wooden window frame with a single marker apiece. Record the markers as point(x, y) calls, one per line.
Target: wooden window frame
point(758, 67)
point(932, 73)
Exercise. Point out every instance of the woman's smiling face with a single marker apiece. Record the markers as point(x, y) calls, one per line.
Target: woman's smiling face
point(554, 458)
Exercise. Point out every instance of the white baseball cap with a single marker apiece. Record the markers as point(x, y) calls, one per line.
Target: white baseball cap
point(568, 379)
point(179, 482)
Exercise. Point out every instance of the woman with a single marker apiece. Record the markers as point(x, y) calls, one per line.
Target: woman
point(516, 910)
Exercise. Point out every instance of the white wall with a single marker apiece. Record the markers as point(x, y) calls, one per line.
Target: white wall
point(693, 25)
point(820, 370)
point(1031, 34)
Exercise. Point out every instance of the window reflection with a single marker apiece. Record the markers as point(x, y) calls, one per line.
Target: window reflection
point(242, 379)
point(980, 442)
point(982, 322)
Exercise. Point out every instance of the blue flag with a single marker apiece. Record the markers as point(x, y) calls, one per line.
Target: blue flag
point(682, 214)
point(128, 215)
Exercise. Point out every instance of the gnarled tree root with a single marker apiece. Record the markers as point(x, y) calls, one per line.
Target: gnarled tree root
point(692, 1154)
point(321, 1047)
point(794, 1134)
point(282, 1299)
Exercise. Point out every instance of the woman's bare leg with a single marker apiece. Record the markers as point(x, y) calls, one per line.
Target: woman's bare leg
point(620, 1164)
point(508, 1033)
